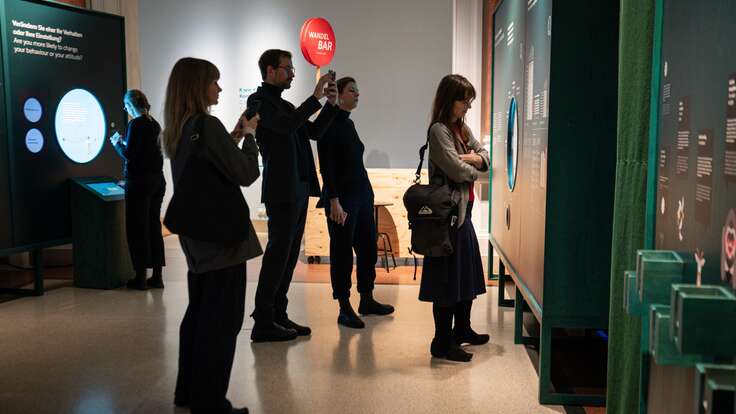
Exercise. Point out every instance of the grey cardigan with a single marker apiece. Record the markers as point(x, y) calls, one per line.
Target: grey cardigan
point(444, 151)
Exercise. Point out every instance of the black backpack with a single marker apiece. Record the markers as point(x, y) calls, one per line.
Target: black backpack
point(432, 211)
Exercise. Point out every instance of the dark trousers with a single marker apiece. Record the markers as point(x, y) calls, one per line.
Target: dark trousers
point(285, 230)
point(207, 338)
point(359, 233)
point(143, 223)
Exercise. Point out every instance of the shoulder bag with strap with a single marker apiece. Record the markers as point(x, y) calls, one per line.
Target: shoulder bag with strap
point(206, 205)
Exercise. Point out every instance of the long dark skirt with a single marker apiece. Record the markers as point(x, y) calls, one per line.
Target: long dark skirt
point(458, 277)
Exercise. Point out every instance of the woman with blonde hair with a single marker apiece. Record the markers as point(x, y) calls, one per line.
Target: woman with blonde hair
point(210, 215)
point(452, 282)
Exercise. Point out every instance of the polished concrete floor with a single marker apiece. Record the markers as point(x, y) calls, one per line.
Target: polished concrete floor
point(94, 351)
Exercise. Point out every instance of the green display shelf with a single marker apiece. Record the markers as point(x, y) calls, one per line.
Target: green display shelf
point(703, 320)
point(656, 271)
point(715, 386)
point(661, 347)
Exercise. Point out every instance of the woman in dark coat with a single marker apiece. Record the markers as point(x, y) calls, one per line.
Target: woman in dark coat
point(200, 149)
point(144, 190)
point(451, 283)
point(347, 197)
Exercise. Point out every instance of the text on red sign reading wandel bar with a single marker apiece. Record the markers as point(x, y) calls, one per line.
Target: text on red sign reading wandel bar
point(317, 41)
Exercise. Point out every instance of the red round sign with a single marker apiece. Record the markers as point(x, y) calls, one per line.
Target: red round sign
point(317, 41)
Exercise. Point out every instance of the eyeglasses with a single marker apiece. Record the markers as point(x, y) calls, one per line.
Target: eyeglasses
point(288, 69)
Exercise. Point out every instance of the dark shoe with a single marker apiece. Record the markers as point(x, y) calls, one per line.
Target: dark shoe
point(289, 324)
point(350, 319)
point(181, 401)
point(449, 351)
point(155, 283)
point(471, 337)
point(371, 307)
point(271, 333)
point(136, 284)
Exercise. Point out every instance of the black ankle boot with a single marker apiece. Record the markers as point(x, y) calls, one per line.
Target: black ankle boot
point(463, 333)
point(156, 280)
point(369, 306)
point(347, 316)
point(469, 336)
point(445, 348)
point(138, 282)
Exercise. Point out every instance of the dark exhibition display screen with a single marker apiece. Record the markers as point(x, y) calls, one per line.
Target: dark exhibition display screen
point(696, 190)
point(64, 79)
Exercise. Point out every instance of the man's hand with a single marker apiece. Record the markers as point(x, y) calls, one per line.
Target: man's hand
point(473, 159)
point(337, 214)
point(319, 90)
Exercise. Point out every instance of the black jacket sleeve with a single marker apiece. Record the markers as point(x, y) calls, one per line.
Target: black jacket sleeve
point(238, 165)
point(328, 152)
point(280, 122)
point(132, 146)
point(316, 129)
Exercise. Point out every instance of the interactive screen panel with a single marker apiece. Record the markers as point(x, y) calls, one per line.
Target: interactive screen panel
point(507, 123)
point(65, 79)
point(532, 175)
point(696, 160)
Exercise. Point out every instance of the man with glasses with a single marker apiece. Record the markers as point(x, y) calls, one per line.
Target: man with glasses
point(289, 179)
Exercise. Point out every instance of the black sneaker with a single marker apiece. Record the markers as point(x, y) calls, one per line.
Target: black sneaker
point(350, 319)
point(300, 329)
point(371, 307)
point(271, 333)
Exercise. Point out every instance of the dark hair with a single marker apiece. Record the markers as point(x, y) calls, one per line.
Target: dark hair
point(186, 95)
point(343, 82)
point(271, 57)
point(452, 88)
point(138, 100)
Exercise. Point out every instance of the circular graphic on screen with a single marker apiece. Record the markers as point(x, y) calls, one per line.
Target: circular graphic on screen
point(512, 144)
point(34, 141)
point(80, 126)
point(32, 109)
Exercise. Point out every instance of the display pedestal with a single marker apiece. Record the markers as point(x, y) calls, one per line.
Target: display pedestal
point(101, 258)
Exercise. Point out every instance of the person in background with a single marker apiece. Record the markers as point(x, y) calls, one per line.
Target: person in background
point(347, 197)
point(452, 282)
point(217, 272)
point(144, 190)
point(289, 179)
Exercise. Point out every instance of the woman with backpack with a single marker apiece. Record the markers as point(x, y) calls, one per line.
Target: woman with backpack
point(452, 282)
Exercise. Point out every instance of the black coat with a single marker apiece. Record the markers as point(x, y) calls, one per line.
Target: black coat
point(283, 136)
point(140, 148)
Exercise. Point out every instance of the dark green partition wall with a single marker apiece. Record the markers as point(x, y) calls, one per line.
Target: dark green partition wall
point(635, 54)
point(551, 225)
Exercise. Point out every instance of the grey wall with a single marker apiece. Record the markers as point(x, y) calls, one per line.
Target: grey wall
point(398, 50)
